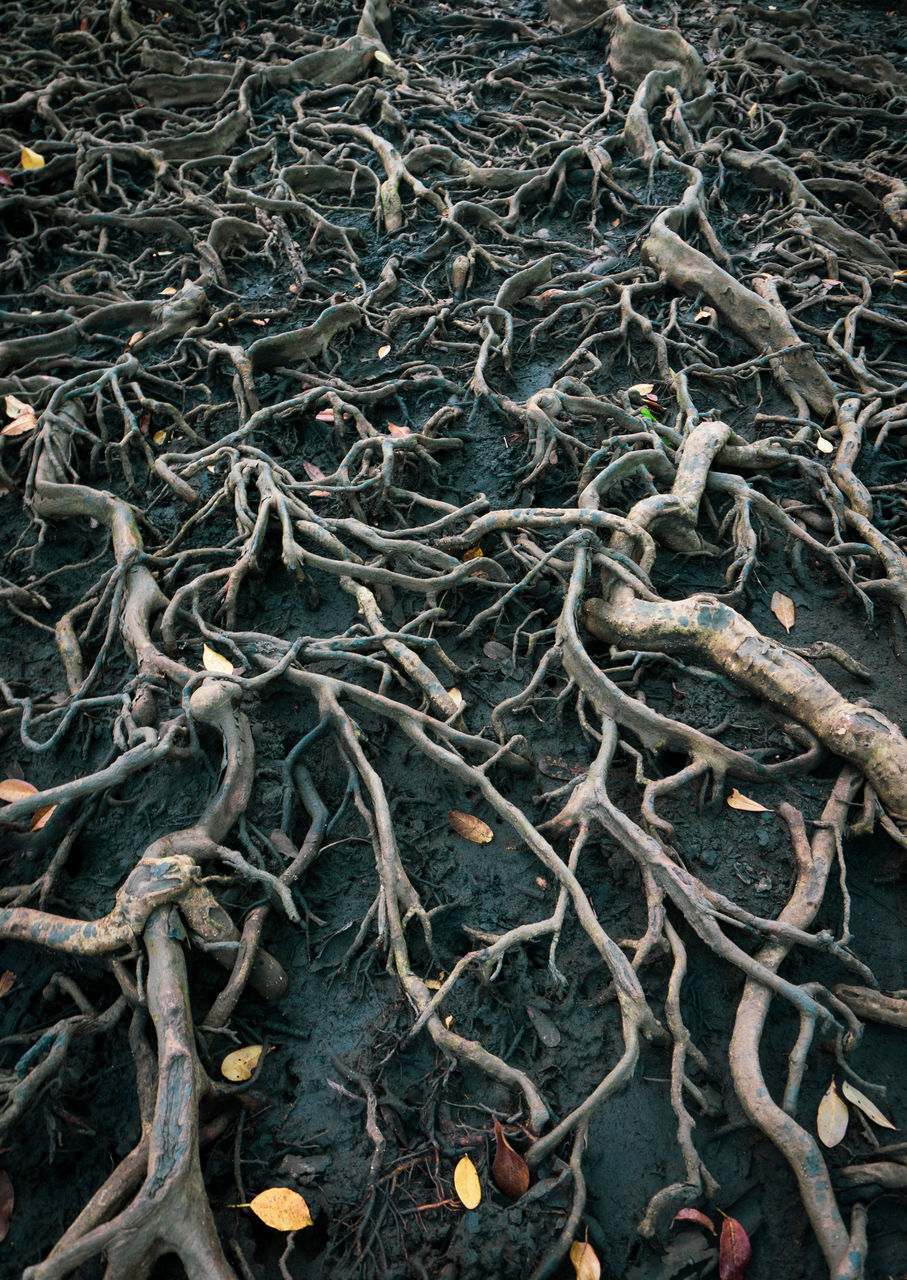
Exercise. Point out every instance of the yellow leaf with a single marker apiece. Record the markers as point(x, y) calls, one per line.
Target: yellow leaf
point(474, 553)
point(736, 800)
point(831, 1120)
point(31, 159)
point(643, 388)
point(824, 446)
point(433, 984)
point(159, 437)
point(863, 1103)
point(214, 661)
point(41, 817)
point(281, 1208)
point(384, 351)
point(704, 313)
point(455, 696)
point(584, 1259)
point(240, 1064)
point(466, 1182)
point(134, 338)
point(448, 1021)
point(166, 293)
point(473, 828)
point(385, 58)
point(783, 608)
point(12, 789)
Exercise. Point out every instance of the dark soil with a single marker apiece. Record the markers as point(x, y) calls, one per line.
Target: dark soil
point(302, 1122)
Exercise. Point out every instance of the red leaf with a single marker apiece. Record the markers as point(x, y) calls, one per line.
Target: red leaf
point(695, 1215)
point(7, 1202)
point(5, 179)
point(734, 1251)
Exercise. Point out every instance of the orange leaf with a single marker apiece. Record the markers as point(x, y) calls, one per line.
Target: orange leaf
point(399, 432)
point(12, 789)
point(471, 827)
point(736, 800)
point(41, 817)
point(783, 608)
point(694, 1215)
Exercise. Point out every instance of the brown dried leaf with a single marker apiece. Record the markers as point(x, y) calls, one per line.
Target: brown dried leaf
point(7, 982)
point(862, 1103)
point(551, 767)
point(23, 415)
point(496, 651)
point(281, 1208)
point(399, 432)
point(313, 471)
point(13, 789)
point(324, 415)
point(509, 1170)
point(7, 1202)
point(159, 437)
point(470, 827)
point(547, 1031)
point(466, 1183)
point(783, 608)
point(5, 179)
point(585, 1260)
point(832, 1117)
point(384, 351)
point(736, 800)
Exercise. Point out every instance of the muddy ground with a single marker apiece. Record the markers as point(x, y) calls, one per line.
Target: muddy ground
point(340, 1035)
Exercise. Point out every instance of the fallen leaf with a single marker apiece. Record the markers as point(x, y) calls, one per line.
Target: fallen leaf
point(159, 437)
point(12, 789)
point(694, 1215)
point(384, 351)
point(280, 1208)
point(433, 984)
point(7, 1202)
point(241, 1063)
point(448, 1021)
point(214, 661)
point(585, 1260)
point(497, 651)
point(385, 58)
point(647, 414)
point(325, 415)
point(736, 800)
point(15, 407)
point(31, 159)
point(399, 432)
point(864, 1104)
point(824, 446)
point(471, 827)
point(20, 426)
point(5, 179)
point(261, 323)
point(166, 293)
point(547, 1031)
point(832, 1117)
point(643, 388)
point(560, 769)
point(783, 608)
point(466, 1183)
point(509, 1170)
point(455, 696)
point(474, 553)
point(41, 817)
point(144, 423)
point(734, 1251)
point(313, 471)
point(704, 314)
point(134, 338)
point(7, 982)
